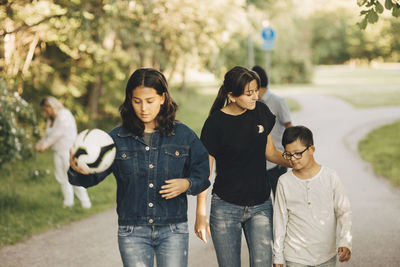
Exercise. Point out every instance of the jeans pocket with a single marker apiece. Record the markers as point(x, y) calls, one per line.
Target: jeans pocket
point(180, 228)
point(125, 230)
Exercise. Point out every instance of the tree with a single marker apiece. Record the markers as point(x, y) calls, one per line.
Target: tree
point(375, 8)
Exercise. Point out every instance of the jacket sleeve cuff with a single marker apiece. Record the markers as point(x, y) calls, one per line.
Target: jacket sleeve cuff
point(196, 186)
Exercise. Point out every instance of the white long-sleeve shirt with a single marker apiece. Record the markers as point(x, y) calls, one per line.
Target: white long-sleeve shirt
point(61, 135)
point(306, 214)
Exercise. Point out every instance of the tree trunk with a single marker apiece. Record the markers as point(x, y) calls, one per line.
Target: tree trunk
point(182, 88)
point(95, 91)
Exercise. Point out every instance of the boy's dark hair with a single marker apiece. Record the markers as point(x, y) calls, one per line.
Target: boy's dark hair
point(262, 74)
point(151, 78)
point(302, 133)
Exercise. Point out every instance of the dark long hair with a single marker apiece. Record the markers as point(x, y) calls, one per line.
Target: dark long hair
point(235, 81)
point(165, 119)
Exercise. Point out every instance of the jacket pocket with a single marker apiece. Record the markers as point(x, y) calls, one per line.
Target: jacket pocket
point(175, 159)
point(127, 162)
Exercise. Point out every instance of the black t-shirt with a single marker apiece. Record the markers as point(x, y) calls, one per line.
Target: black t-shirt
point(238, 145)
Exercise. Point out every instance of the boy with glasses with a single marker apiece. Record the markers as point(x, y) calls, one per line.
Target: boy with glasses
point(310, 201)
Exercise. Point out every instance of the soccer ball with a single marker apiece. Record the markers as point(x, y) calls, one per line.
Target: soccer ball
point(94, 149)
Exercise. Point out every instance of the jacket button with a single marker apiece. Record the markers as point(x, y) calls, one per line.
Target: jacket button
point(124, 155)
point(176, 153)
point(147, 148)
point(151, 185)
point(151, 221)
point(151, 166)
point(150, 205)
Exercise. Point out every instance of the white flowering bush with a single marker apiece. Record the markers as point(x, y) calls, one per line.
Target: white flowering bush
point(17, 125)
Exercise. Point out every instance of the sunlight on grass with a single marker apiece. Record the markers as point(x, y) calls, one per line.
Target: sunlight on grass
point(381, 148)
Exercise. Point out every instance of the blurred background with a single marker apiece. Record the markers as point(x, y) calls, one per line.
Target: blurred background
point(83, 52)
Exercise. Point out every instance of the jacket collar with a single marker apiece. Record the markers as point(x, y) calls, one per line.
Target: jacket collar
point(123, 132)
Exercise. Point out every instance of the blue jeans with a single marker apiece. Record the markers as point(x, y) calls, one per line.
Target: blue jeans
point(329, 263)
point(139, 244)
point(227, 221)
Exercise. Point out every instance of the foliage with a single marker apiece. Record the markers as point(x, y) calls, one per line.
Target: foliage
point(17, 125)
point(336, 38)
point(374, 9)
point(380, 147)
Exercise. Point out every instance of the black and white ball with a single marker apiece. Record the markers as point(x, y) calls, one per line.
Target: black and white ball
point(94, 149)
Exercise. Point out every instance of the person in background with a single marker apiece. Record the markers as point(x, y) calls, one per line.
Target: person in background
point(60, 136)
point(310, 203)
point(280, 109)
point(159, 161)
point(237, 135)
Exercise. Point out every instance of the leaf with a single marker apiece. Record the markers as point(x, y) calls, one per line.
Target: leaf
point(396, 11)
point(370, 3)
point(363, 24)
point(388, 4)
point(372, 16)
point(379, 7)
point(361, 2)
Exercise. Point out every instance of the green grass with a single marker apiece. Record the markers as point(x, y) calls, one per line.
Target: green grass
point(381, 148)
point(193, 108)
point(31, 204)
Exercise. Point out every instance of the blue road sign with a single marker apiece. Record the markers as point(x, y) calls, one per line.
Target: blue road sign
point(268, 34)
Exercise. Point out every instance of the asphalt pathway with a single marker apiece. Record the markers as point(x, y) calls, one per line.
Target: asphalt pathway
point(337, 128)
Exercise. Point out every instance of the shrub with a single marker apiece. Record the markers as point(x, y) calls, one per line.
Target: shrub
point(17, 125)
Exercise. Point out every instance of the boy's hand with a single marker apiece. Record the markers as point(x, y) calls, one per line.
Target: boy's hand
point(278, 265)
point(344, 254)
point(174, 187)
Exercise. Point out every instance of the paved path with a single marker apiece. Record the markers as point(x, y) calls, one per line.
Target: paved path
point(337, 128)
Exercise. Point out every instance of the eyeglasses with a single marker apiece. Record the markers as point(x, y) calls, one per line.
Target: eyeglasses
point(296, 155)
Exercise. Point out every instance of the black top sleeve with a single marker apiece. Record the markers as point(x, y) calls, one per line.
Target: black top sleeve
point(265, 116)
point(209, 135)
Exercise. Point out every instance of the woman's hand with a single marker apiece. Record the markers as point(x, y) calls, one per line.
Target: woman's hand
point(202, 227)
point(73, 162)
point(174, 187)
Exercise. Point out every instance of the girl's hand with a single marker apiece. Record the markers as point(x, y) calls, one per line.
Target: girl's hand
point(174, 187)
point(73, 162)
point(202, 227)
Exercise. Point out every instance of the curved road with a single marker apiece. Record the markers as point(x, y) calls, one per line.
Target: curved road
point(337, 128)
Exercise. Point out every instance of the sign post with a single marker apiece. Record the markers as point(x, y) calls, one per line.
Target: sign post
point(269, 35)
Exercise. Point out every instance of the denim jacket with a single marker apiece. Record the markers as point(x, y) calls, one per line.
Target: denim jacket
point(140, 171)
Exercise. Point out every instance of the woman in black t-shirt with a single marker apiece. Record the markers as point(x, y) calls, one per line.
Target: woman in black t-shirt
point(237, 136)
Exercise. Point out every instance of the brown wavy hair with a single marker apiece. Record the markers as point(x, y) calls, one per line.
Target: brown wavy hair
point(165, 119)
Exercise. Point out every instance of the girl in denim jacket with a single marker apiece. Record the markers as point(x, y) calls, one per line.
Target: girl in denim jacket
point(158, 162)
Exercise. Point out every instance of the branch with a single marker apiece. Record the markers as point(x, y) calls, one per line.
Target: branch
point(23, 27)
